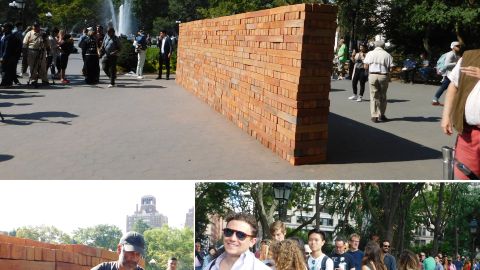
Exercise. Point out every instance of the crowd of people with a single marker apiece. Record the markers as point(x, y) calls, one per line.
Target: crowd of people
point(280, 253)
point(44, 50)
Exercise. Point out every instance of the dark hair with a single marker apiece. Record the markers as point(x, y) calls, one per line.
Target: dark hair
point(172, 259)
point(246, 218)
point(373, 253)
point(407, 260)
point(318, 231)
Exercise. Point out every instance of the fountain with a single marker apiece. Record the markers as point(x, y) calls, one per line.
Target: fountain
point(123, 26)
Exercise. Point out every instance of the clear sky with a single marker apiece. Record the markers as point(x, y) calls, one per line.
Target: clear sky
point(69, 204)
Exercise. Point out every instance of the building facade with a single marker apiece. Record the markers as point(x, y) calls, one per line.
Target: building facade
point(148, 213)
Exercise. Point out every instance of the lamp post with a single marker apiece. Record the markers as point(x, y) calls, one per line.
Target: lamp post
point(18, 4)
point(153, 263)
point(282, 195)
point(49, 16)
point(473, 231)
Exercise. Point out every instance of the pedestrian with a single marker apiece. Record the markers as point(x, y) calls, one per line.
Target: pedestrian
point(287, 255)
point(429, 263)
point(341, 259)
point(373, 257)
point(239, 235)
point(65, 48)
point(462, 112)
point(53, 52)
point(342, 57)
point(140, 44)
point(166, 50)
point(408, 261)
point(357, 254)
point(92, 68)
point(211, 253)
point(10, 47)
point(388, 259)
point(198, 256)
point(25, 53)
point(359, 74)
point(110, 50)
point(130, 249)
point(378, 62)
point(438, 262)
point(451, 60)
point(172, 263)
point(18, 32)
point(81, 45)
point(278, 230)
point(37, 44)
point(317, 259)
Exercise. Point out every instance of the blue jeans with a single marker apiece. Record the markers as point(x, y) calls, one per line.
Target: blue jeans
point(442, 88)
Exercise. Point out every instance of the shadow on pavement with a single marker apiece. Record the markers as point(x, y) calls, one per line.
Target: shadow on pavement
point(397, 100)
point(9, 104)
point(5, 157)
point(353, 142)
point(38, 117)
point(418, 119)
point(337, 90)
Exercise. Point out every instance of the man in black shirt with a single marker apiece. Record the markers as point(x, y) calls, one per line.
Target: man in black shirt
point(130, 249)
point(341, 260)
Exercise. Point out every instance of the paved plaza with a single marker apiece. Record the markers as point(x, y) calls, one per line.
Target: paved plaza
point(154, 129)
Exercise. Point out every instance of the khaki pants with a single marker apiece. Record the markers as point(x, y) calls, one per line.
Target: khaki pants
point(37, 61)
point(378, 94)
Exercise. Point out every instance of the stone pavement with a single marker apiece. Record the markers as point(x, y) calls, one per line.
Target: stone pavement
point(154, 129)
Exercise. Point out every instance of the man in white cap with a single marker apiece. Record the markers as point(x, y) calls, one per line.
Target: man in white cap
point(378, 62)
point(130, 249)
point(451, 60)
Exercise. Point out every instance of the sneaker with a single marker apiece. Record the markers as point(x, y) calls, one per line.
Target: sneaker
point(359, 99)
point(110, 85)
point(25, 74)
point(435, 102)
point(65, 81)
point(353, 97)
point(139, 77)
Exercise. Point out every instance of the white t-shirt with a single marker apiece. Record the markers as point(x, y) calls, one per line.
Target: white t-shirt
point(472, 107)
point(316, 263)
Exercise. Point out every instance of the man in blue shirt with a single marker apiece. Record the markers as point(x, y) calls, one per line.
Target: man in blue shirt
point(354, 252)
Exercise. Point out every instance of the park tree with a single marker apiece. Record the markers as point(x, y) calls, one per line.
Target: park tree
point(163, 243)
point(44, 233)
point(102, 236)
point(140, 226)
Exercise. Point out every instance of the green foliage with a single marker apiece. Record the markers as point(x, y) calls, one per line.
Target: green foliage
point(140, 226)
point(151, 60)
point(103, 236)
point(44, 233)
point(127, 59)
point(163, 243)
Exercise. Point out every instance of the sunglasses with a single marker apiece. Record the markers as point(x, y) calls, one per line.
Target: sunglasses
point(239, 234)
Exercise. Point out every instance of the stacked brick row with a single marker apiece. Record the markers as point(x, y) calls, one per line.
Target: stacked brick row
point(26, 254)
point(268, 72)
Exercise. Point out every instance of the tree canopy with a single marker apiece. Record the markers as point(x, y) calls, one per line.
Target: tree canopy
point(103, 236)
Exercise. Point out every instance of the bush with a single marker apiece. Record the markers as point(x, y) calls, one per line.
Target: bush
point(151, 61)
point(127, 58)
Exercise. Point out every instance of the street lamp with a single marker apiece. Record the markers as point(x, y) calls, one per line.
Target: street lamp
point(473, 230)
point(48, 15)
point(153, 263)
point(282, 195)
point(18, 4)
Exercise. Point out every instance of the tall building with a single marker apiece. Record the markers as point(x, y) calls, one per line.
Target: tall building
point(148, 213)
point(189, 218)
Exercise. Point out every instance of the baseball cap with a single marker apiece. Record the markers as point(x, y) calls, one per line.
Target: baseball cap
point(133, 241)
point(90, 28)
point(453, 44)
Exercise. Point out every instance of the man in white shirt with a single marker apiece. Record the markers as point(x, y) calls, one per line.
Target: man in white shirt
point(462, 112)
point(238, 237)
point(378, 62)
point(317, 260)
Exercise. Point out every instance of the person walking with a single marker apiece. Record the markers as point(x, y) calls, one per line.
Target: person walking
point(10, 47)
point(65, 48)
point(109, 50)
point(378, 62)
point(462, 112)
point(451, 60)
point(164, 55)
point(359, 73)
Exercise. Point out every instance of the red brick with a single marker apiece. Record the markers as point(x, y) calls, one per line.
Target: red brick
point(24, 265)
point(18, 252)
point(30, 253)
point(5, 250)
point(48, 255)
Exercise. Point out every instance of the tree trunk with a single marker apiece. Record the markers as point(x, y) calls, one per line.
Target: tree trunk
point(437, 226)
point(317, 207)
point(265, 218)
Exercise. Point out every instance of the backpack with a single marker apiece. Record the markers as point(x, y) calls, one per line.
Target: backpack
point(441, 67)
point(324, 262)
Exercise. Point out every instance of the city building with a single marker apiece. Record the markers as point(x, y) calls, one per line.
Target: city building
point(189, 218)
point(148, 213)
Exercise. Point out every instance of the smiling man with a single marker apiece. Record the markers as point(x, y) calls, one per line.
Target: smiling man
point(130, 250)
point(239, 236)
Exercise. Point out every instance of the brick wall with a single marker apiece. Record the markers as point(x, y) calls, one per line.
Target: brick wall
point(26, 254)
point(268, 72)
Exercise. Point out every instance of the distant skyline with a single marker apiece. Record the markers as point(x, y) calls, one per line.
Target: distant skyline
point(72, 204)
